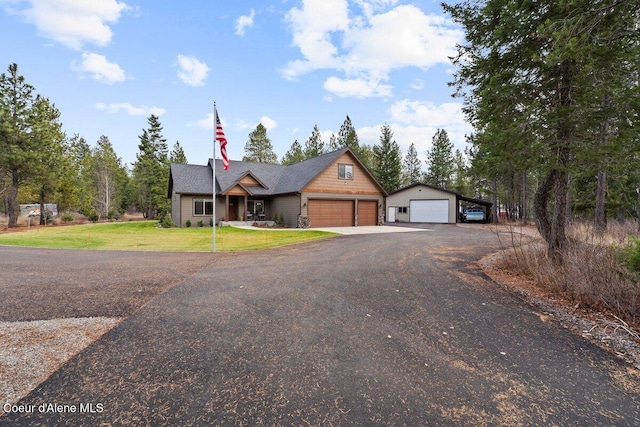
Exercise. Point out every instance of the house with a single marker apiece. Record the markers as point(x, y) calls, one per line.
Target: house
point(334, 189)
point(426, 203)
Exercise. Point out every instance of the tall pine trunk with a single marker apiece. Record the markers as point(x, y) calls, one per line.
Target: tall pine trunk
point(12, 200)
point(600, 214)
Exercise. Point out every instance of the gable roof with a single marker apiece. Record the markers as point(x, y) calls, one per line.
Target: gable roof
point(275, 179)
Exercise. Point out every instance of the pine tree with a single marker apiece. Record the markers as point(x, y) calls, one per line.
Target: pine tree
point(151, 171)
point(347, 136)
point(388, 161)
point(314, 145)
point(440, 161)
point(412, 171)
point(534, 80)
point(258, 147)
point(294, 155)
point(177, 154)
point(48, 138)
point(17, 150)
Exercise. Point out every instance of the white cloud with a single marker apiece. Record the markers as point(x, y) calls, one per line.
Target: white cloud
point(207, 122)
point(312, 27)
point(417, 122)
point(99, 68)
point(358, 87)
point(417, 84)
point(366, 48)
point(268, 122)
point(72, 23)
point(192, 71)
point(141, 110)
point(244, 21)
point(423, 113)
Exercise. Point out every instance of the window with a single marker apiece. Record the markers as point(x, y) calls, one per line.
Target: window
point(345, 171)
point(402, 209)
point(202, 207)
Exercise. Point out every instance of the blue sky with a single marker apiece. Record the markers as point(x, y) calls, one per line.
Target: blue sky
point(290, 65)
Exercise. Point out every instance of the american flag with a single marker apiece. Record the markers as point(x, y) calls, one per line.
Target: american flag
point(223, 142)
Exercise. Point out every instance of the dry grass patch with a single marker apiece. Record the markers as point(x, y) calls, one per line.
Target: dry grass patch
point(593, 274)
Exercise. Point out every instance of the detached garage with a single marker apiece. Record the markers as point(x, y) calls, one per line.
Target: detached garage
point(426, 203)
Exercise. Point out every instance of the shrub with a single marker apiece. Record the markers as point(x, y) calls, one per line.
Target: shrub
point(165, 221)
point(67, 217)
point(92, 216)
point(595, 273)
point(210, 222)
point(188, 223)
point(631, 255)
point(200, 223)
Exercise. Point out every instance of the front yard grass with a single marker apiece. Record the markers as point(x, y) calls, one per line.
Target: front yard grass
point(146, 236)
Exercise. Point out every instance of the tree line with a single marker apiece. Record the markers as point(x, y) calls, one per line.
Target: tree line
point(552, 89)
point(445, 167)
point(39, 162)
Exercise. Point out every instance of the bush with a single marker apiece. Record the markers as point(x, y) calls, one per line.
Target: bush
point(188, 223)
point(595, 273)
point(211, 222)
point(631, 255)
point(200, 223)
point(92, 216)
point(166, 221)
point(67, 217)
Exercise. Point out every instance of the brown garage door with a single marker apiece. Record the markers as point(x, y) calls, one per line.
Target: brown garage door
point(331, 213)
point(367, 212)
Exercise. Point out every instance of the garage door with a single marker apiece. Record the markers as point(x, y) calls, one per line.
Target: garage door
point(331, 213)
point(429, 211)
point(367, 212)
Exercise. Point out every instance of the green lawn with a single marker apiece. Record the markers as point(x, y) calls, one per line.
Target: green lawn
point(145, 236)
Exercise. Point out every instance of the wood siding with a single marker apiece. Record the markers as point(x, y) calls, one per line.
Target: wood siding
point(249, 181)
point(328, 181)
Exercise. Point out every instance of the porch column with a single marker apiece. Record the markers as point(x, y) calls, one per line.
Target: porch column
point(226, 207)
point(246, 205)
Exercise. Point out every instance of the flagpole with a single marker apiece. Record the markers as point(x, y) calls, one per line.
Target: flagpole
point(213, 197)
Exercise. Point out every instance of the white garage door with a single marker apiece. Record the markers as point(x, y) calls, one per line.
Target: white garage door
point(429, 211)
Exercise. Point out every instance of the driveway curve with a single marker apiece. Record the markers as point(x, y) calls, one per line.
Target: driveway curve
point(380, 329)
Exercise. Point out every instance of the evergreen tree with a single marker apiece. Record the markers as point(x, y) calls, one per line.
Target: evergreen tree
point(18, 152)
point(177, 154)
point(81, 166)
point(460, 181)
point(48, 139)
point(440, 161)
point(387, 161)
point(258, 148)
point(412, 171)
point(151, 171)
point(534, 80)
point(347, 136)
point(294, 155)
point(314, 145)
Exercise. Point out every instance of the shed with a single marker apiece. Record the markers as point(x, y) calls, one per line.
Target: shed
point(426, 203)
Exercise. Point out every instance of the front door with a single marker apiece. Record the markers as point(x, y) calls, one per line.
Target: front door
point(233, 208)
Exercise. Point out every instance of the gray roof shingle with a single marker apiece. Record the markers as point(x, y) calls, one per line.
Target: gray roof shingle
point(278, 179)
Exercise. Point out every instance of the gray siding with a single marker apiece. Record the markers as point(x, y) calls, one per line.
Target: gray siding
point(420, 192)
point(289, 206)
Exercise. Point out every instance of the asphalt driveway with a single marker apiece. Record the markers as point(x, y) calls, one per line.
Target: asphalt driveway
point(380, 329)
